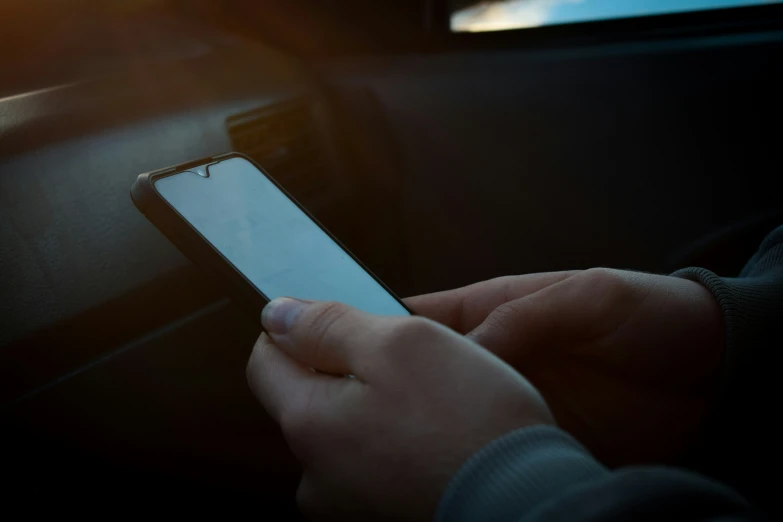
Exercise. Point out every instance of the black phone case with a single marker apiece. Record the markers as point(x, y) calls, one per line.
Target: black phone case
point(200, 251)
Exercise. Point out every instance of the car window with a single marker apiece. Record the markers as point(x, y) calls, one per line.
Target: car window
point(499, 15)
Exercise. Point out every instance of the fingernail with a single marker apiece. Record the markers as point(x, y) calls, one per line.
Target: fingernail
point(279, 315)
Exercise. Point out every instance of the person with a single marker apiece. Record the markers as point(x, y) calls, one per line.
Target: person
point(594, 395)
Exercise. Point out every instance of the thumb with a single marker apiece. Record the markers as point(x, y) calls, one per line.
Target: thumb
point(326, 336)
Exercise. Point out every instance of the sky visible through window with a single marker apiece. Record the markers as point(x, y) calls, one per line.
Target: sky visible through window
point(498, 15)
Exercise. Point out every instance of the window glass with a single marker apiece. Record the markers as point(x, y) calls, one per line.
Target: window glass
point(498, 15)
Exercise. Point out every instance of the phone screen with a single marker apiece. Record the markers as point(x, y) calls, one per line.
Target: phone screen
point(269, 239)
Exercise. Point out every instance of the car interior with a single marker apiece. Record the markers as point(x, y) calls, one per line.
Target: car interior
point(443, 142)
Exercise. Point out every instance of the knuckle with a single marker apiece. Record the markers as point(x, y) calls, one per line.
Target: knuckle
point(506, 322)
point(602, 278)
point(324, 316)
point(506, 313)
point(322, 322)
point(609, 287)
point(615, 294)
point(410, 329)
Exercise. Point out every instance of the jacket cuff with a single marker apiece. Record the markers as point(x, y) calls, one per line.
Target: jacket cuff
point(516, 473)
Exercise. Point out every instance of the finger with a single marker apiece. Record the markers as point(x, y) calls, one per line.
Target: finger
point(552, 316)
point(281, 384)
point(463, 309)
point(509, 329)
point(330, 337)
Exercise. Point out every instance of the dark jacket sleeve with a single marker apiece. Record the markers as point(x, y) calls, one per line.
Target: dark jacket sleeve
point(542, 474)
point(741, 440)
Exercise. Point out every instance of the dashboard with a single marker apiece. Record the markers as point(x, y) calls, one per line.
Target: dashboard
point(94, 295)
point(71, 239)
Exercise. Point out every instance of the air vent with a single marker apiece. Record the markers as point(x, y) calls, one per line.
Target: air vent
point(282, 138)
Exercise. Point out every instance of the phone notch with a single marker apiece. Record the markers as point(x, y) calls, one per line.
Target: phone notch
point(202, 170)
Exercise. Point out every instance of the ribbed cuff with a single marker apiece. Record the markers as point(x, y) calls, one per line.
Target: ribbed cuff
point(748, 305)
point(516, 473)
point(752, 309)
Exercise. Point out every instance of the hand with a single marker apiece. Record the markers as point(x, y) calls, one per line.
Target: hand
point(627, 361)
point(384, 444)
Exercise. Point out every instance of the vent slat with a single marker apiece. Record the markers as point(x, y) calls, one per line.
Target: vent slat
point(282, 139)
point(288, 131)
point(312, 169)
point(301, 145)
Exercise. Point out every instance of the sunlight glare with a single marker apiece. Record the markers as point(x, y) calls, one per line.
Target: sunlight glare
point(511, 14)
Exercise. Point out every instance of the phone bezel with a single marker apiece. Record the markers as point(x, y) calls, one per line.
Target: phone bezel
point(200, 251)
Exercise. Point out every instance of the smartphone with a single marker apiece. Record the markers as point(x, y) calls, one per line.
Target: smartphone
point(229, 216)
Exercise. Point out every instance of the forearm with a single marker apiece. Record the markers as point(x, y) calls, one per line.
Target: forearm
point(541, 473)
